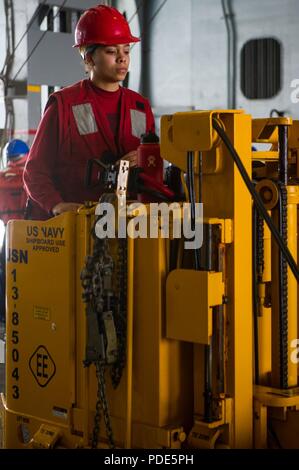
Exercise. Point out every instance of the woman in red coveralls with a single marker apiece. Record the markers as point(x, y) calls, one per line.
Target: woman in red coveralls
point(95, 118)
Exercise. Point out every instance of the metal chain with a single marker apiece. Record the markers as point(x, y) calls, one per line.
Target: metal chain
point(102, 398)
point(97, 417)
point(284, 291)
point(92, 283)
point(260, 246)
point(92, 278)
point(121, 316)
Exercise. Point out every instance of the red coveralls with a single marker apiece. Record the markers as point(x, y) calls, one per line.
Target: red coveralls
point(12, 194)
point(12, 206)
point(56, 166)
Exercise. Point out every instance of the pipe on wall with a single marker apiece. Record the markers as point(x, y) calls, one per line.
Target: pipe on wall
point(230, 24)
point(145, 12)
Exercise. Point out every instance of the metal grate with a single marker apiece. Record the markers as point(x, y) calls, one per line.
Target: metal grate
point(261, 68)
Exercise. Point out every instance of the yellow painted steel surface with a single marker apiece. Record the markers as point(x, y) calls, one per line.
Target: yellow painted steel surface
point(225, 197)
point(292, 218)
point(46, 334)
point(264, 319)
point(265, 130)
point(40, 349)
point(174, 313)
point(190, 296)
point(40, 317)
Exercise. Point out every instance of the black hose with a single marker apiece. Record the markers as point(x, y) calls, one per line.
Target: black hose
point(208, 393)
point(258, 201)
point(191, 191)
point(152, 192)
point(190, 185)
point(220, 373)
point(255, 293)
point(200, 177)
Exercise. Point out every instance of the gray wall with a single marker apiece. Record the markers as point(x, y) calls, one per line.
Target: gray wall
point(279, 19)
point(54, 61)
point(189, 52)
point(23, 12)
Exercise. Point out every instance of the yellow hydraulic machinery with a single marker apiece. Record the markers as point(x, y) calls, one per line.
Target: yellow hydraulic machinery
point(155, 336)
point(219, 322)
point(276, 391)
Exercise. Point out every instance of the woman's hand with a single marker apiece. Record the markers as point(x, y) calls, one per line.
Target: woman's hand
point(65, 207)
point(131, 157)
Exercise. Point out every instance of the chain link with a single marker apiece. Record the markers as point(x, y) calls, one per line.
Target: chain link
point(99, 264)
point(284, 291)
point(260, 246)
point(101, 380)
point(97, 417)
point(121, 316)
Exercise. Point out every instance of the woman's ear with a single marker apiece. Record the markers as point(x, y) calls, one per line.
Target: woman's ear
point(88, 61)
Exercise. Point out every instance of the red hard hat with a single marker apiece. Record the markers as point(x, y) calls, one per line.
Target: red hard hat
point(103, 25)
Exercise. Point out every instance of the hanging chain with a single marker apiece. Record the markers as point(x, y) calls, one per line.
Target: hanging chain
point(97, 417)
point(121, 316)
point(102, 403)
point(260, 247)
point(106, 321)
point(93, 295)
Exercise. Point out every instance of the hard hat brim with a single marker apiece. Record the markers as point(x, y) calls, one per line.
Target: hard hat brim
point(112, 42)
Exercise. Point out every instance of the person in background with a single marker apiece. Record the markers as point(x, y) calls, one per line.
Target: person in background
point(12, 199)
point(12, 193)
point(94, 118)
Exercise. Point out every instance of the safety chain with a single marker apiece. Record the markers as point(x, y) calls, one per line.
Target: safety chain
point(97, 416)
point(102, 401)
point(92, 283)
point(284, 290)
point(99, 296)
point(260, 246)
point(121, 315)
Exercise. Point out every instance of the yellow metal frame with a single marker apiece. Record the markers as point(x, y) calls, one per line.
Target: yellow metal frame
point(50, 397)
